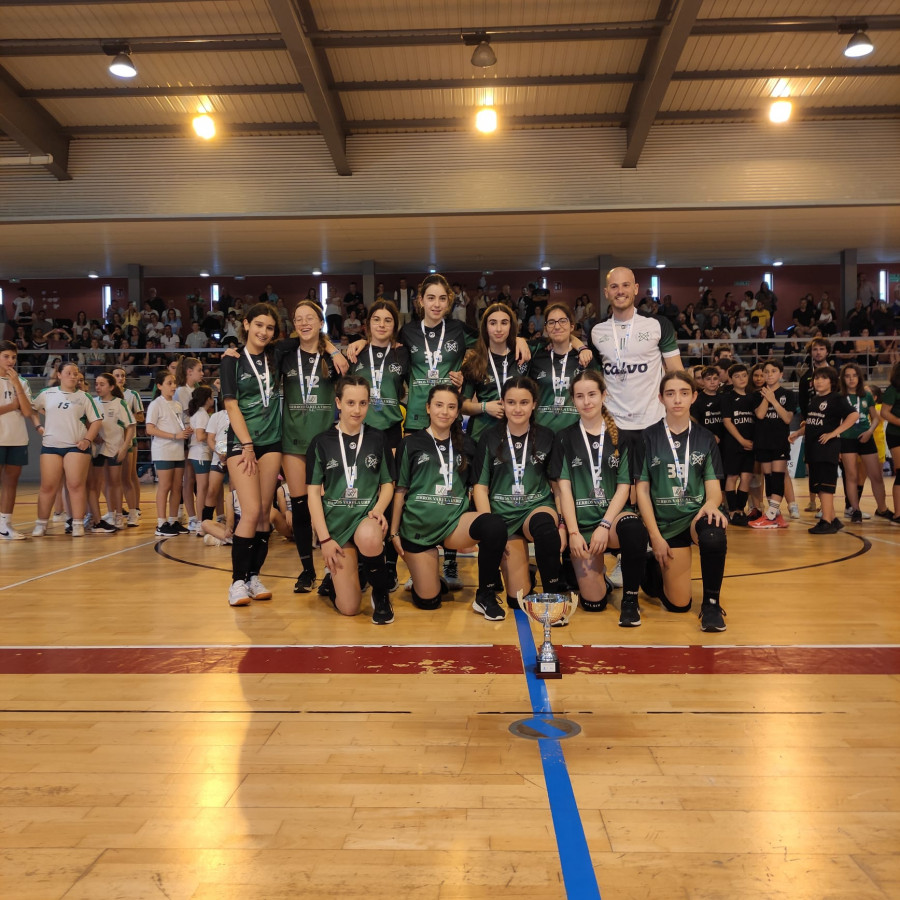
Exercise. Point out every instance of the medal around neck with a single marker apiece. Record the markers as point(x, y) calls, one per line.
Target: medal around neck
point(548, 610)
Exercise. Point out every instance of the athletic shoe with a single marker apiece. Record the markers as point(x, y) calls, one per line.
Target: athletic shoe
point(382, 611)
point(763, 522)
point(257, 589)
point(408, 586)
point(133, 519)
point(238, 594)
point(856, 517)
point(811, 506)
point(711, 616)
point(165, 531)
point(212, 541)
point(486, 603)
point(194, 527)
point(615, 576)
point(895, 521)
point(837, 524)
point(326, 586)
point(77, 529)
point(60, 517)
point(68, 526)
point(40, 529)
point(848, 514)
point(451, 576)
point(822, 527)
point(629, 614)
point(392, 574)
point(819, 514)
point(779, 521)
point(11, 534)
point(109, 517)
point(794, 510)
point(102, 527)
point(119, 522)
point(304, 583)
point(754, 514)
point(886, 514)
point(178, 528)
point(739, 519)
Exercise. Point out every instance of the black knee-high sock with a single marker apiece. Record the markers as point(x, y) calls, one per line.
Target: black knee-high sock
point(376, 572)
point(547, 547)
point(260, 551)
point(241, 557)
point(731, 500)
point(208, 513)
point(713, 545)
point(390, 554)
point(490, 532)
point(632, 534)
point(302, 532)
point(740, 499)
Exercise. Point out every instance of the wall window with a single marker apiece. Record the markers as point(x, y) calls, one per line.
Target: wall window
point(654, 286)
point(769, 280)
point(882, 285)
point(214, 294)
point(107, 296)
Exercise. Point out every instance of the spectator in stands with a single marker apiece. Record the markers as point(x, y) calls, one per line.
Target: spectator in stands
point(729, 304)
point(352, 325)
point(825, 321)
point(669, 309)
point(865, 350)
point(803, 317)
point(168, 340)
point(763, 315)
point(713, 330)
point(881, 320)
point(173, 320)
point(865, 290)
point(748, 304)
point(353, 299)
point(857, 318)
point(196, 339)
point(768, 298)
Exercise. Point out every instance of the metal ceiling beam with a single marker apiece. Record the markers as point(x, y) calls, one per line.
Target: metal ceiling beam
point(33, 128)
point(314, 74)
point(25, 47)
point(647, 97)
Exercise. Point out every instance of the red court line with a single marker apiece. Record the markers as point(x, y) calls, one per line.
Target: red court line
point(452, 660)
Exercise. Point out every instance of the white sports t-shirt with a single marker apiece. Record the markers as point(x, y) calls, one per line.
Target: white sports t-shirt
point(199, 450)
point(183, 395)
point(13, 431)
point(632, 354)
point(166, 415)
point(66, 416)
point(117, 418)
point(218, 425)
point(133, 402)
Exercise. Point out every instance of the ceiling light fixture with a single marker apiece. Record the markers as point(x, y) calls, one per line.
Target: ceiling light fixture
point(317, 272)
point(660, 265)
point(432, 270)
point(859, 45)
point(93, 275)
point(483, 56)
point(545, 267)
point(204, 126)
point(780, 111)
point(122, 66)
point(486, 119)
point(204, 273)
point(778, 262)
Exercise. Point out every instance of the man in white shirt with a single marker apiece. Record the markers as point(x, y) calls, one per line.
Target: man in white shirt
point(404, 297)
point(197, 339)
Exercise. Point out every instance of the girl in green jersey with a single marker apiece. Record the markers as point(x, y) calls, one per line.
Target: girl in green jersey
point(890, 412)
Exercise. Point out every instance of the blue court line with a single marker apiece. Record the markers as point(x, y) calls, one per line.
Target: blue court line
point(574, 856)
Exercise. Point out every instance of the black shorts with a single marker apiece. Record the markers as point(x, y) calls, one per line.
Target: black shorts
point(682, 539)
point(893, 440)
point(822, 477)
point(855, 445)
point(410, 547)
point(766, 455)
point(260, 450)
point(736, 461)
point(632, 440)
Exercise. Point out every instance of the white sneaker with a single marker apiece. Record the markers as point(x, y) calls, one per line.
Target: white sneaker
point(119, 521)
point(794, 510)
point(78, 529)
point(193, 526)
point(133, 519)
point(212, 541)
point(109, 517)
point(408, 586)
point(849, 512)
point(257, 589)
point(615, 576)
point(11, 534)
point(238, 594)
point(40, 529)
point(60, 517)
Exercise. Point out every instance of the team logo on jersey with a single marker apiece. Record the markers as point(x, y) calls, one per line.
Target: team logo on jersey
point(822, 406)
point(292, 373)
point(246, 375)
point(372, 461)
point(576, 462)
point(413, 348)
point(697, 459)
point(627, 369)
point(423, 458)
point(540, 455)
point(613, 462)
point(451, 346)
point(654, 461)
point(782, 400)
point(518, 445)
point(604, 338)
point(331, 464)
point(540, 374)
point(395, 369)
point(643, 336)
point(497, 462)
point(378, 355)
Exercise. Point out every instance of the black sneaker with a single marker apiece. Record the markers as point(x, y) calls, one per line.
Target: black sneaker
point(856, 517)
point(392, 577)
point(886, 514)
point(68, 526)
point(630, 613)
point(822, 527)
point(895, 520)
point(837, 524)
point(451, 576)
point(326, 587)
point(711, 616)
point(305, 582)
point(382, 611)
point(487, 604)
point(165, 530)
point(740, 519)
point(102, 527)
point(178, 528)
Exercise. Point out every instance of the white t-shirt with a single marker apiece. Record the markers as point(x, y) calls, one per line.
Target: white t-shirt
point(117, 418)
point(66, 416)
point(13, 431)
point(218, 425)
point(172, 342)
point(196, 340)
point(199, 450)
point(133, 402)
point(183, 396)
point(632, 353)
point(166, 415)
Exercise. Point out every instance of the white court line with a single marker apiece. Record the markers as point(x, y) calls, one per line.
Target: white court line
point(869, 537)
point(87, 562)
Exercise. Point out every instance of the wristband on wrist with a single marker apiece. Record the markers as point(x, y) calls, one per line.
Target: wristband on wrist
point(483, 406)
point(395, 534)
point(336, 353)
point(605, 523)
point(325, 540)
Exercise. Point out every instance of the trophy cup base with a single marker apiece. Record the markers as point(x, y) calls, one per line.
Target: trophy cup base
point(548, 669)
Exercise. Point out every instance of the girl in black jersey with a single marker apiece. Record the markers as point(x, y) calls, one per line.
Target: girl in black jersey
point(350, 487)
point(739, 420)
point(679, 497)
point(434, 475)
point(594, 482)
point(512, 480)
point(250, 392)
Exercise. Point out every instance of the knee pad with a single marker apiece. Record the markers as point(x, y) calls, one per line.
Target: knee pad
point(544, 528)
point(672, 608)
point(489, 526)
point(632, 533)
point(425, 602)
point(711, 538)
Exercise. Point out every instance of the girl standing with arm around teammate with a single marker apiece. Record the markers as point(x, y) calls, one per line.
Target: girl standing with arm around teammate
point(350, 488)
point(593, 482)
point(679, 497)
point(251, 396)
point(130, 483)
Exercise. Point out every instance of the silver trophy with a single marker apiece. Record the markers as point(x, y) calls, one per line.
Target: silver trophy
point(548, 610)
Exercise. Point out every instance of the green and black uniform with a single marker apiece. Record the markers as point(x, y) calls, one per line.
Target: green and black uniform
point(345, 510)
point(488, 390)
point(572, 460)
point(389, 369)
point(244, 380)
point(891, 402)
point(449, 339)
point(674, 513)
point(849, 440)
point(308, 385)
point(553, 373)
point(431, 510)
point(494, 469)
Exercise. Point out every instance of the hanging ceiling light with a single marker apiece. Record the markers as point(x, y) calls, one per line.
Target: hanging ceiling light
point(122, 66)
point(205, 127)
point(859, 45)
point(545, 267)
point(483, 56)
point(486, 119)
point(780, 111)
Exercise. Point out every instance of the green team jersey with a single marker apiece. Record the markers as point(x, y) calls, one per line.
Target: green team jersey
point(674, 514)
point(390, 369)
point(244, 380)
point(488, 390)
point(431, 511)
point(553, 373)
point(308, 386)
point(862, 405)
point(343, 511)
point(891, 402)
point(494, 469)
point(571, 461)
point(419, 338)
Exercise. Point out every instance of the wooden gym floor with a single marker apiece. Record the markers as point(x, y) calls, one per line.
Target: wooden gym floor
point(158, 744)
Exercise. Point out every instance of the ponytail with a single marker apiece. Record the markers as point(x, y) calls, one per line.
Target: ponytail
point(201, 394)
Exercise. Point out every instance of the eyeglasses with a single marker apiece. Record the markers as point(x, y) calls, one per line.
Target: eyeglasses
point(552, 323)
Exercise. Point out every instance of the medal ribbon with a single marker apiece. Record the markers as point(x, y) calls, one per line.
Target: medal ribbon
point(681, 471)
point(518, 467)
point(265, 388)
point(558, 390)
point(595, 470)
point(350, 471)
point(429, 355)
point(377, 377)
point(497, 380)
point(446, 468)
point(306, 392)
point(620, 351)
